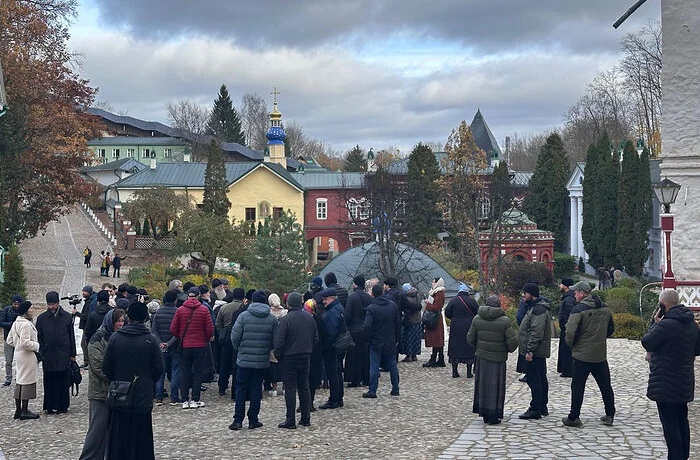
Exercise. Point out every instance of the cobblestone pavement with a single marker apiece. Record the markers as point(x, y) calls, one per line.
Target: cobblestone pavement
point(431, 419)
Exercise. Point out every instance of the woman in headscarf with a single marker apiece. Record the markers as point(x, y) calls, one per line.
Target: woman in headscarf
point(493, 336)
point(461, 310)
point(435, 337)
point(96, 436)
point(411, 326)
point(23, 337)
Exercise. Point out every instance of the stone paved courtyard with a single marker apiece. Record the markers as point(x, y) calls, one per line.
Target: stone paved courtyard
point(431, 419)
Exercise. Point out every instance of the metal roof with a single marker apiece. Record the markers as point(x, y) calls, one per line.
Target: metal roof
point(483, 136)
point(401, 166)
point(521, 178)
point(233, 147)
point(128, 140)
point(123, 164)
point(135, 122)
point(329, 180)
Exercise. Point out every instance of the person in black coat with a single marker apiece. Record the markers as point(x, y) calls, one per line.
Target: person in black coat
point(382, 331)
point(95, 318)
point(357, 359)
point(521, 364)
point(133, 353)
point(672, 343)
point(341, 293)
point(461, 310)
point(568, 302)
point(294, 342)
point(57, 345)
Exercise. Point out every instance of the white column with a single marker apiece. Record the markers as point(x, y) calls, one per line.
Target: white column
point(579, 208)
point(574, 230)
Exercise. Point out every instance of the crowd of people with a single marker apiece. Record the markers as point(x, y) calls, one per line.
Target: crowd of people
point(327, 336)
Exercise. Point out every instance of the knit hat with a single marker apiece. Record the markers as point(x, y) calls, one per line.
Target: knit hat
point(170, 296)
point(532, 289)
point(24, 307)
point(259, 296)
point(153, 306)
point(238, 294)
point(582, 286)
point(193, 292)
point(568, 282)
point(359, 281)
point(203, 288)
point(103, 296)
point(274, 300)
point(138, 311)
point(330, 278)
point(52, 297)
point(406, 287)
point(216, 282)
point(463, 287)
point(87, 288)
point(224, 281)
point(310, 306)
point(123, 304)
point(294, 300)
point(249, 294)
point(493, 301)
point(317, 281)
point(17, 298)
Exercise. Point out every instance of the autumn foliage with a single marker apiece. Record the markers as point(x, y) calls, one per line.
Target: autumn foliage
point(43, 137)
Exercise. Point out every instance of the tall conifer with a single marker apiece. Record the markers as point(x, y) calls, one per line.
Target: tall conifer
point(215, 198)
point(606, 205)
point(628, 241)
point(224, 122)
point(422, 217)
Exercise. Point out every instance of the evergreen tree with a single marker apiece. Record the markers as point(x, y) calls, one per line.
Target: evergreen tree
point(500, 191)
point(356, 160)
point(277, 259)
point(15, 281)
point(645, 195)
point(606, 207)
point(224, 122)
point(547, 200)
point(215, 200)
point(422, 216)
point(589, 202)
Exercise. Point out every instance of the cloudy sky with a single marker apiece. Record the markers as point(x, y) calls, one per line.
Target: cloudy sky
point(374, 72)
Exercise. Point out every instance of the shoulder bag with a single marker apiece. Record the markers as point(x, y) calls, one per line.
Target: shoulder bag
point(344, 341)
point(429, 319)
point(75, 378)
point(187, 326)
point(120, 394)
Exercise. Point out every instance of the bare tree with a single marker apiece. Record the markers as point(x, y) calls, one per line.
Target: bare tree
point(190, 119)
point(522, 150)
point(106, 105)
point(255, 120)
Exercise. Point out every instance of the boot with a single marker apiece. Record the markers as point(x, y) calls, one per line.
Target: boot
point(455, 374)
point(26, 413)
point(469, 371)
point(431, 361)
point(441, 358)
point(18, 409)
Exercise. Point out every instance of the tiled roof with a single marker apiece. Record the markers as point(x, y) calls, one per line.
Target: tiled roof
point(123, 164)
point(329, 180)
point(128, 140)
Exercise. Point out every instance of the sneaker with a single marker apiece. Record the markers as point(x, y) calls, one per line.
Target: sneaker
point(186, 405)
point(530, 415)
point(607, 420)
point(159, 402)
point(196, 404)
point(174, 403)
point(6, 383)
point(574, 423)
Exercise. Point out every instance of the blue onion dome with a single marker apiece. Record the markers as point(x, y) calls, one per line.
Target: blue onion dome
point(276, 134)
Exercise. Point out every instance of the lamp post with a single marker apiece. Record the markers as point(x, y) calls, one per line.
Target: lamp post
point(666, 192)
point(117, 208)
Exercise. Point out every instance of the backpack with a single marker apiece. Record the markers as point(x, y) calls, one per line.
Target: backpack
point(75, 378)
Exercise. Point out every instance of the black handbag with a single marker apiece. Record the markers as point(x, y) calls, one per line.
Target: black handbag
point(430, 319)
point(75, 378)
point(120, 394)
point(343, 343)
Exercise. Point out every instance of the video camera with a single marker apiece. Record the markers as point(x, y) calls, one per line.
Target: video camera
point(73, 299)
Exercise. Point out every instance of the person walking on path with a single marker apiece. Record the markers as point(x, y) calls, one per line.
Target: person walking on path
point(435, 338)
point(357, 358)
point(672, 343)
point(382, 332)
point(461, 310)
point(535, 337)
point(8, 315)
point(57, 343)
point(294, 342)
point(117, 264)
point(192, 325)
point(87, 255)
point(252, 337)
point(133, 355)
point(96, 437)
point(160, 328)
point(493, 336)
point(23, 337)
point(587, 332)
point(568, 302)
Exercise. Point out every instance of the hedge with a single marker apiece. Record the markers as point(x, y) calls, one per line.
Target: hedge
point(629, 326)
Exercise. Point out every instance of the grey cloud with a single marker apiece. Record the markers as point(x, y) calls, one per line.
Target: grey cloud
point(490, 25)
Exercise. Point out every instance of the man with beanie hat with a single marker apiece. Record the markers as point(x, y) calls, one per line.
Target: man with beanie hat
point(57, 344)
point(535, 337)
point(587, 332)
point(568, 302)
point(8, 315)
point(225, 318)
point(294, 342)
point(252, 337)
point(160, 328)
point(357, 359)
point(340, 292)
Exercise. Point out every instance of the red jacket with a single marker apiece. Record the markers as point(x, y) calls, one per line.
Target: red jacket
point(201, 328)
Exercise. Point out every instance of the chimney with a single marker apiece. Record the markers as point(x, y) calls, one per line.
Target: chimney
point(186, 158)
point(153, 163)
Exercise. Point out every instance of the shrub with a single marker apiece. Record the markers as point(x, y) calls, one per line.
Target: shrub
point(15, 280)
point(622, 298)
point(515, 274)
point(629, 283)
point(629, 326)
point(512, 314)
point(564, 265)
